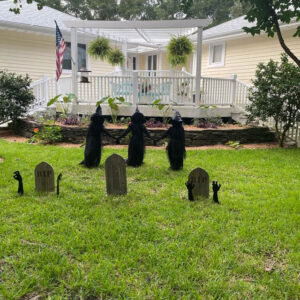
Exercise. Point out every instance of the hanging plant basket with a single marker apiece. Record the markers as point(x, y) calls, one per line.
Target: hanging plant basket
point(181, 45)
point(116, 57)
point(178, 50)
point(177, 60)
point(99, 48)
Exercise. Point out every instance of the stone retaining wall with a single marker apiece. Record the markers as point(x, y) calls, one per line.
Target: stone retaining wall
point(203, 137)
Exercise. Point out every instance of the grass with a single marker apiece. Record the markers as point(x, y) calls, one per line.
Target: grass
point(153, 243)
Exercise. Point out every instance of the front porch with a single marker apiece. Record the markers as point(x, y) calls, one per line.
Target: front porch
point(218, 96)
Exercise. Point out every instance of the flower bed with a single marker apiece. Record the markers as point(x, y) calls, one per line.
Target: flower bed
point(193, 136)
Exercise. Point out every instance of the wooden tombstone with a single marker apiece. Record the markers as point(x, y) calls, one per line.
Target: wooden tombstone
point(115, 173)
point(200, 179)
point(44, 178)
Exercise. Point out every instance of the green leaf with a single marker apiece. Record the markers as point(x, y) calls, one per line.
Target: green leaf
point(53, 100)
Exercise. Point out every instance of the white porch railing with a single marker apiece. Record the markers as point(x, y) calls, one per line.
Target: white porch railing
point(293, 134)
point(140, 87)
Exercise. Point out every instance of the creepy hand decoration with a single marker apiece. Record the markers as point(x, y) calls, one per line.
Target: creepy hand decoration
point(216, 187)
point(57, 183)
point(190, 187)
point(18, 177)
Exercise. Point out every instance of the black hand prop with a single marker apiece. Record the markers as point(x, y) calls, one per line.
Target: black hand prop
point(18, 177)
point(57, 183)
point(190, 187)
point(216, 187)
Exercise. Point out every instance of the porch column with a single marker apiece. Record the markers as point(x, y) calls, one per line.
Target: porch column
point(124, 50)
point(74, 56)
point(198, 65)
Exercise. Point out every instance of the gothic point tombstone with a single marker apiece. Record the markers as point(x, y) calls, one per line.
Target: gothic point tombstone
point(115, 173)
point(200, 179)
point(44, 178)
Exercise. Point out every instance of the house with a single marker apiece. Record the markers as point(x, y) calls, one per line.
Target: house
point(27, 42)
point(27, 46)
point(228, 50)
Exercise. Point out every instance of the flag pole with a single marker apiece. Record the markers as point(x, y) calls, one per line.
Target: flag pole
point(56, 85)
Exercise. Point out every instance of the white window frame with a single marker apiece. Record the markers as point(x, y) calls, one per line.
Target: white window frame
point(210, 55)
point(88, 66)
point(157, 60)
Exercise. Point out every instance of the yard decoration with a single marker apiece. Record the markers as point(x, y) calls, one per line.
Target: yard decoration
point(92, 152)
point(136, 148)
point(99, 48)
point(200, 179)
point(178, 49)
point(115, 174)
point(44, 178)
point(176, 146)
point(59, 177)
point(18, 177)
point(190, 187)
point(216, 187)
point(116, 57)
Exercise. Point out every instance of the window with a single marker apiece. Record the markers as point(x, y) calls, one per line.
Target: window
point(134, 63)
point(152, 62)
point(216, 55)
point(67, 64)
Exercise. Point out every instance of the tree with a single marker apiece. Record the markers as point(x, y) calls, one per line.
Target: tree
point(268, 14)
point(276, 94)
point(239, 8)
point(40, 3)
point(15, 96)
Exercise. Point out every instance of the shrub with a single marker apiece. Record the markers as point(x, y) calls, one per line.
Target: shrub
point(69, 120)
point(276, 95)
point(48, 134)
point(15, 96)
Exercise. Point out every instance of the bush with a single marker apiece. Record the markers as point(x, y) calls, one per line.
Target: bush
point(15, 96)
point(276, 94)
point(48, 134)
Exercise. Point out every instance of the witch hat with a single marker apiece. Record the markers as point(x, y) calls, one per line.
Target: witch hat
point(99, 110)
point(177, 117)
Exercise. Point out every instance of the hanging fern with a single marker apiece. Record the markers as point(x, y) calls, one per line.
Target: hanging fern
point(177, 60)
point(116, 57)
point(178, 49)
point(181, 45)
point(99, 48)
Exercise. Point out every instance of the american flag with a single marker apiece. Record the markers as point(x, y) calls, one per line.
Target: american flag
point(60, 49)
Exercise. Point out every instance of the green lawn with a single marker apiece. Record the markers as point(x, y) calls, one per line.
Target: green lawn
point(153, 243)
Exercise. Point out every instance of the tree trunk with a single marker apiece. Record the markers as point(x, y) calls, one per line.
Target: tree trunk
point(281, 40)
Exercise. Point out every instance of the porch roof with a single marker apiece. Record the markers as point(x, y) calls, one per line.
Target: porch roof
point(146, 33)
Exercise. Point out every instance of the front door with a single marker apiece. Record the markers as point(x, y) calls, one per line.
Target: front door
point(132, 62)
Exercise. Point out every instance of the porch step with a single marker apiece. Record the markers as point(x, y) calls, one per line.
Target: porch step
point(241, 117)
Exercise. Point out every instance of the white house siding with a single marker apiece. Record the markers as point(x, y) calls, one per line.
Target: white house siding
point(243, 54)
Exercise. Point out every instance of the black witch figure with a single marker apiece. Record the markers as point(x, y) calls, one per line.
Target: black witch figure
point(92, 152)
point(136, 148)
point(176, 146)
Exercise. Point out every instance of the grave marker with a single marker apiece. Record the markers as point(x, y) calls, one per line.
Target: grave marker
point(44, 178)
point(200, 179)
point(115, 173)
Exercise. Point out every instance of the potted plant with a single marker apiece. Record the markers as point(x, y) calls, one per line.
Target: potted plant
point(115, 57)
point(99, 48)
point(178, 49)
